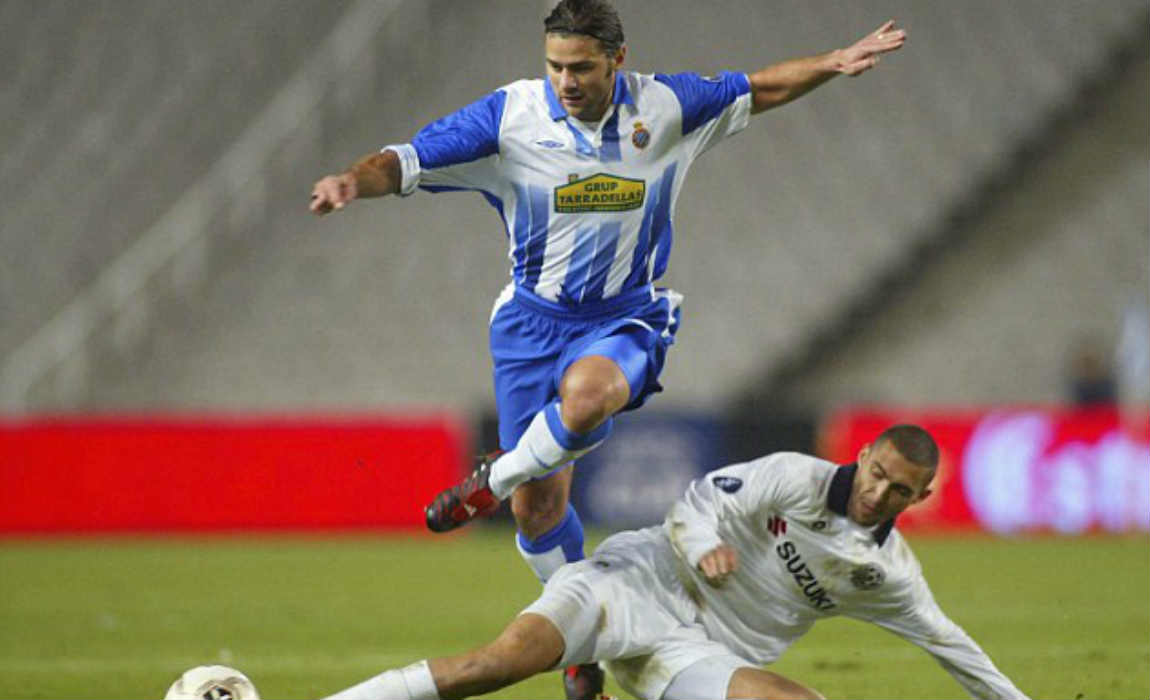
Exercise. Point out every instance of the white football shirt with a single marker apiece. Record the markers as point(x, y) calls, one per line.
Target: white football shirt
point(801, 559)
point(587, 208)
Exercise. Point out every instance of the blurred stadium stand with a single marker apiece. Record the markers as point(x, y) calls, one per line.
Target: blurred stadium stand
point(204, 125)
point(116, 108)
point(1045, 254)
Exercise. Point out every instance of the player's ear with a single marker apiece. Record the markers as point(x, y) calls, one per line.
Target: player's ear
point(620, 55)
point(863, 452)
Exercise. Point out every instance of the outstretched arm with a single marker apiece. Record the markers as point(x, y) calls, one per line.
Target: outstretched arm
point(780, 83)
point(913, 614)
point(374, 175)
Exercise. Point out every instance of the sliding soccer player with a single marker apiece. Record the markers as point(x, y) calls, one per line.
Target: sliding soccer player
point(745, 563)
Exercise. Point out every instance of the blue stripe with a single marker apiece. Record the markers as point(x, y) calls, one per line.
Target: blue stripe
point(608, 242)
point(609, 151)
point(522, 233)
point(662, 233)
point(579, 269)
point(573, 441)
point(538, 204)
point(582, 146)
point(658, 208)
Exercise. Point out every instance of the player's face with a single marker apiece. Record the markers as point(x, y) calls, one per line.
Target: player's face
point(582, 76)
point(885, 485)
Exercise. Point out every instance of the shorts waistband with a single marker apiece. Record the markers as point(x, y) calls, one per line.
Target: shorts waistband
point(612, 306)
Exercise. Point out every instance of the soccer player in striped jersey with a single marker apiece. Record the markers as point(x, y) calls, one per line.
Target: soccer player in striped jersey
point(744, 565)
point(584, 167)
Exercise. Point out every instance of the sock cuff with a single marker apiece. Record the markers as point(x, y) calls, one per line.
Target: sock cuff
point(420, 683)
point(568, 534)
point(569, 440)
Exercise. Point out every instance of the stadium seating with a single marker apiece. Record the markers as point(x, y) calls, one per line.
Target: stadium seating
point(121, 106)
point(386, 304)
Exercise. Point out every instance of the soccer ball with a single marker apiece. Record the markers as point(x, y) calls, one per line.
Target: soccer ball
point(212, 683)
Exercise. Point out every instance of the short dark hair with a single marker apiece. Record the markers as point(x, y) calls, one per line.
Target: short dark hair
point(913, 443)
point(594, 18)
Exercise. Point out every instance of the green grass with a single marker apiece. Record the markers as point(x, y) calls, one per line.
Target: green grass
point(305, 616)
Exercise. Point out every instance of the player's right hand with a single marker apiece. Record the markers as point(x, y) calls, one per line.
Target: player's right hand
point(718, 564)
point(332, 193)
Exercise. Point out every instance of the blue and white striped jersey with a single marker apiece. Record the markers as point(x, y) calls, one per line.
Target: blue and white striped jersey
point(587, 207)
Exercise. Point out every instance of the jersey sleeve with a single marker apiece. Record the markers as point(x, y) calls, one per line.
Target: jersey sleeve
point(458, 151)
point(775, 482)
point(712, 108)
point(912, 613)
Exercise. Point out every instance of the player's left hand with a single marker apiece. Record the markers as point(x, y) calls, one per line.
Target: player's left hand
point(718, 564)
point(333, 193)
point(864, 53)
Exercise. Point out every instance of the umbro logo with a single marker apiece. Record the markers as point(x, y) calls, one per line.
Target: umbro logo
point(549, 143)
point(777, 526)
point(469, 508)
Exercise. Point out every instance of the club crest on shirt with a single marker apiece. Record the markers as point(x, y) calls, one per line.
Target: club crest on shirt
point(600, 192)
point(730, 484)
point(640, 137)
point(867, 577)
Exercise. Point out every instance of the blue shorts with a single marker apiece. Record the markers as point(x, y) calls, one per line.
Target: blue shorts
point(533, 341)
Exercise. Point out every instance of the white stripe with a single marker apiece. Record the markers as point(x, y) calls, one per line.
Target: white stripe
point(556, 261)
point(621, 265)
point(674, 300)
point(505, 296)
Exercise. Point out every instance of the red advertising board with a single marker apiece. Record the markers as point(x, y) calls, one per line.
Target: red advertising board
point(1021, 469)
point(122, 474)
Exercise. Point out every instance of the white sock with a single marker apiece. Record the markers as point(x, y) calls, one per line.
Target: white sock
point(539, 451)
point(544, 565)
point(412, 682)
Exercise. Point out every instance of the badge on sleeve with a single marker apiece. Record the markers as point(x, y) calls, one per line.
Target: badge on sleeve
point(729, 484)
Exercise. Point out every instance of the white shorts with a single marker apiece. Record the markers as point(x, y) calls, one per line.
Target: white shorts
point(626, 606)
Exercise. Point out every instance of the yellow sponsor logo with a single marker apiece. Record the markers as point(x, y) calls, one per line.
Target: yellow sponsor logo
point(600, 192)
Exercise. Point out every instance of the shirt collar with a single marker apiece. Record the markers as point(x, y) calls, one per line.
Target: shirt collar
point(840, 492)
point(621, 95)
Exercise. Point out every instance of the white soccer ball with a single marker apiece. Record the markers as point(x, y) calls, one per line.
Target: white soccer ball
point(212, 683)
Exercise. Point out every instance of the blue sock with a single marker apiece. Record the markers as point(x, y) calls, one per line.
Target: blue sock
point(554, 548)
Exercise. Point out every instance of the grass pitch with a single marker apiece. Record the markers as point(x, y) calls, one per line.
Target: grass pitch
point(305, 616)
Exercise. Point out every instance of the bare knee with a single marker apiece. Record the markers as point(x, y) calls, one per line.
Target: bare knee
point(592, 390)
point(749, 683)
